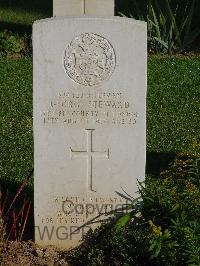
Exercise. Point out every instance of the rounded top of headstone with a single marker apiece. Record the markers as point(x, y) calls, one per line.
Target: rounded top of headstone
point(89, 59)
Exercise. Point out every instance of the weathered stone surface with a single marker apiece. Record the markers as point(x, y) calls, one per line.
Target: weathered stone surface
point(81, 7)
point(99, 7)
point(89, 121)
point(68, 7)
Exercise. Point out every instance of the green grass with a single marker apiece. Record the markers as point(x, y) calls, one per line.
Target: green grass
point(24, 11)
point(172, 117)
point(20, 16)
point(173, 104)
point(15, 119)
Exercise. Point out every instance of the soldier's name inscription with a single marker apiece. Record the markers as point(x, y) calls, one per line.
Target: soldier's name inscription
point(97, 108)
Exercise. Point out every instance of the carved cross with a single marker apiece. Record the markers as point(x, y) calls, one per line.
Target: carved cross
point(89, 154)
point(83, 7)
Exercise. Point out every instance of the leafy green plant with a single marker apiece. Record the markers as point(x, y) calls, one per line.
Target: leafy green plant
point(166, 33)
point(9, 43)
point(173, 204)
point(169, 29)
point(161, 229)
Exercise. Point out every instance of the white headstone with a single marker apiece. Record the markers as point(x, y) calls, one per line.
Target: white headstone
point(89, 104)
point(99, 7)
point(83, 7)
point(68, 7)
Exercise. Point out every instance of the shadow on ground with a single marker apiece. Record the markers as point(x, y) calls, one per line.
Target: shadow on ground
point(20, 29)
point(156, 162)
point(9, 190)
point(44, 6)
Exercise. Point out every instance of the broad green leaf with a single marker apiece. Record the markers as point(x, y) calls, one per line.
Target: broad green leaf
point(122, 221)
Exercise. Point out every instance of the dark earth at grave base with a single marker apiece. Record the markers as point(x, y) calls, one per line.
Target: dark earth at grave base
point(29, 254)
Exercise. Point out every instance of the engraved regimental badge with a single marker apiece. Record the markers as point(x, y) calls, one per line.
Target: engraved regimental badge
point(89, 59)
